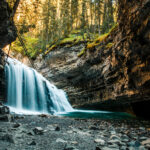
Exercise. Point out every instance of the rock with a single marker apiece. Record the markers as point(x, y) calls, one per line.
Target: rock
point(142, 148)
point(141, 128)
point(69, 147)
point(134, 144)
point(100, 141)
point(146, 142)
point(98, 148)
point(60, 140)
point(16, 125)
point(147, 146)
point(74, 142)
point(6, 118)
point(142, 138)
point(32, 143)
point(93, 128)
point(57, 128)
point(123, 148)
point(38, 131)
point(7, 138)
point(113, 137)
point(113, 146)
point(116, 141)
point(124, 138)
point(4, 110)
point(113, 132)
point(31, 132)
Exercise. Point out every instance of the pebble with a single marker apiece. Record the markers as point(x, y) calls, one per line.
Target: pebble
point(68, 147)
point(57, 128)
point(60, 140)
point(16, 125)
point(38, 131)
point(100, 141)
point(146, 142)
point(32, 143)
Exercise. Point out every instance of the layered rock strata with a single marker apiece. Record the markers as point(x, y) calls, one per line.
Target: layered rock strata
point(107, 77)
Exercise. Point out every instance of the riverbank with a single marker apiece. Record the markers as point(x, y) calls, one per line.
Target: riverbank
point(47, 132)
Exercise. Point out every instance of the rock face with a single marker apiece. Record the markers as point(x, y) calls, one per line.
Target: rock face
point(7, 35)
point(108, 78)
point(7, 28)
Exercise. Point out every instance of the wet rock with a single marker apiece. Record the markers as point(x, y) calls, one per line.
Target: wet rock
point(31, 133)
point(100, 141)
point(57, 128)
point(32, 143)
point(124, 138)
point(146, 142)
point(4, 110)
point(38, 131)
point(16, 125)
point(60, 140)
point(98, 148)
point(134, 144)
point(123, 148)
point(7, 138)
point(93, 128)
point(113, 137)
point(74, 142)
point(69, 147)
point(116, 141)
point(6, 118)
point(113, 146)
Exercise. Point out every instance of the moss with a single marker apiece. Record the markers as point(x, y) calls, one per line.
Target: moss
point(114, 27)
point(50, 49)
point(97, 41)
point(101, 38)
point(92, 45)
point(82, 52)
point(109, 45)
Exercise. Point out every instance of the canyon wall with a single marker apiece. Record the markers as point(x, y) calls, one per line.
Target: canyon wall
point(7, 35)
point(113, 78)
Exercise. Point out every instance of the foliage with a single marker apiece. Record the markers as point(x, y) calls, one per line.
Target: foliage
point(109, 45)
point(32, 45)
point(82, 52)
point(61, 22)
point(97, 41)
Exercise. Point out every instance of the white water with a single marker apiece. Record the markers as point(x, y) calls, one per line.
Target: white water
point(28, 92)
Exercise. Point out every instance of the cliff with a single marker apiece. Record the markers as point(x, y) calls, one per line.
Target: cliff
point(7, 35)
point(115, 77)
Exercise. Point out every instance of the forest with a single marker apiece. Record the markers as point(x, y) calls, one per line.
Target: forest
point(42, 24)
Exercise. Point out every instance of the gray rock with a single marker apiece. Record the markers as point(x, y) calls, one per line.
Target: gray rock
point(69, 147)
point(4, 110)
point(32, 143)
point(134, 144)
point(6, 118)
point(38, 131)
point(16, 125)
point(98, 148)
point(146, 142)
point(123, 148)
point(116, 141)
point(57, 128)
point(7, 138)
point(114, 137)
point(142, 138)
point(100, 141)
point(60, 140)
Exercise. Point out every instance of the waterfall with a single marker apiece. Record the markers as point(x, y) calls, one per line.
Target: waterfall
point(29, 91)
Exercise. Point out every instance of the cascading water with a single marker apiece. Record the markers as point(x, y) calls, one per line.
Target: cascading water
point(29, 91)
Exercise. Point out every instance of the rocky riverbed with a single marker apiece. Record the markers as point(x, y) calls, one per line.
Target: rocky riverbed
point(46, 132)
